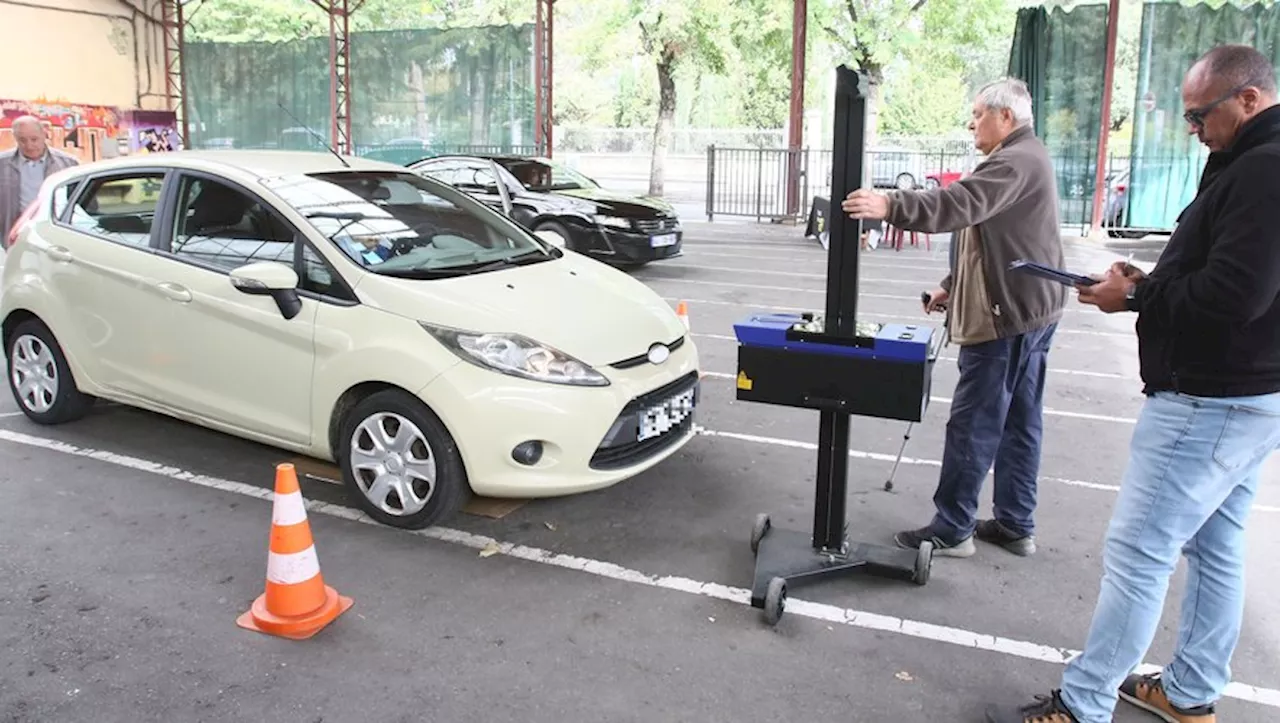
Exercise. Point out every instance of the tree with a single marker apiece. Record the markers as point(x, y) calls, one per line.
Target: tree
point(872, 34)
point(675, 34)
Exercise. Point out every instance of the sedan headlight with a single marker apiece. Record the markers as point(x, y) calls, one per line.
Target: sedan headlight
point(613, 221)
point(518, 356)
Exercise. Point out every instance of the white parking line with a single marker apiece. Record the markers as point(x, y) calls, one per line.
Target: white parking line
point(1052, 370)
point(769, 272)
point(880, 457)
point(946, 400)
point(861, 295)
point(795, 606)
point(10, 414)
point(872, 315)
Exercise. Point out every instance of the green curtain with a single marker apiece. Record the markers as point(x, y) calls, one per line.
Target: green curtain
point(439, 89)
point(1029, 55)
point(1166, 161)
point(1061, 54)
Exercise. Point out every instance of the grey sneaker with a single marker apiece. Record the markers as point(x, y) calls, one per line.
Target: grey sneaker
point(997, 534)
point(911, 539)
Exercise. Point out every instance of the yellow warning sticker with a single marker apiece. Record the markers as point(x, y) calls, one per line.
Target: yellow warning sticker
point(743, 381)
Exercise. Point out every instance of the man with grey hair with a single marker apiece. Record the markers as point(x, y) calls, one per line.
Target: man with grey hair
point(1005, 210)
point(24, 169)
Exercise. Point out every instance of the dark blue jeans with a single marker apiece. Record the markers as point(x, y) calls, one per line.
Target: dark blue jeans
point(995, 419)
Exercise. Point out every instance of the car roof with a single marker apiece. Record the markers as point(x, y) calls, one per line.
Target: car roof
point(261, 163)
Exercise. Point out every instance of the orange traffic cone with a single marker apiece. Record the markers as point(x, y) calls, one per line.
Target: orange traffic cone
point(682, 311)
point(296, 604)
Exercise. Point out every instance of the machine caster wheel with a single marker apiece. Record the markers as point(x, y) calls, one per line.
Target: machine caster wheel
point(775, 600)
point(758, 532)
point(924, 563)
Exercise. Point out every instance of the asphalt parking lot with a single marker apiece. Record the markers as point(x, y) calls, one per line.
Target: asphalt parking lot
point(132, 542)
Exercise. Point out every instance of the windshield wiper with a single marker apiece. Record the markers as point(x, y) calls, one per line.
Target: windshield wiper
point(349, 216)
point(420, 273)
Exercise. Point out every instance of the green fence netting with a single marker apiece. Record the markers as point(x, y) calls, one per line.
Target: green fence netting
point(1061, 54)
point(1166, 161)
point(413, 92)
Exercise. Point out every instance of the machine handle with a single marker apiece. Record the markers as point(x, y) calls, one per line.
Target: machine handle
point(832, 405)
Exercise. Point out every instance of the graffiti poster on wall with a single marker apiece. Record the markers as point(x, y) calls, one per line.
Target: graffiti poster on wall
point(152, 131)
point(88, 132)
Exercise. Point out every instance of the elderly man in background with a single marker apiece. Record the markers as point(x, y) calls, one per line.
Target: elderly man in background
point(24, 169)
point(1004, 323)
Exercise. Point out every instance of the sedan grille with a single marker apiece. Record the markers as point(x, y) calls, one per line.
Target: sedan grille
point(658, 225)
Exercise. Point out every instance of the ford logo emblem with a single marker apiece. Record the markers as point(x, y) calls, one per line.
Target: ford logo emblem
point(659, 353)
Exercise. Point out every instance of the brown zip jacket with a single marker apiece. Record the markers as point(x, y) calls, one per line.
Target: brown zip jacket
point(1006, 210)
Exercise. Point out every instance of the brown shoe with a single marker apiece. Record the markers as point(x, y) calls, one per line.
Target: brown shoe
point(1147, 692)
point(1045, 709)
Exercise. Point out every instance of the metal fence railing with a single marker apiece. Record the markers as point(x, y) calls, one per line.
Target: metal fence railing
point(754, 182)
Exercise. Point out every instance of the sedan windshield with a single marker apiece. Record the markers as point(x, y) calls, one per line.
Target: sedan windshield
point(400, 224)
point(539, 174)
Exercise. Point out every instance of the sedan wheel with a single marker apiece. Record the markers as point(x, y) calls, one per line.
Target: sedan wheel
point(400, 463)
point(40, 377)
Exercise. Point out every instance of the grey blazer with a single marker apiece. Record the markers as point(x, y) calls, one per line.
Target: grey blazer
point(11, 184)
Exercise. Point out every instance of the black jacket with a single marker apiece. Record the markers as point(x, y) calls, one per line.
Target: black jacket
point(1208, 315)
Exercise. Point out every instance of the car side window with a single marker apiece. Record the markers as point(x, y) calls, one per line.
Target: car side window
point(62, 196)
point(318, 277)
point(119, 208)
point(221, 227)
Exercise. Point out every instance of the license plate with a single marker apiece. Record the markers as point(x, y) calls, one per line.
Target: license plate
point(666, 239)
point(662, 418)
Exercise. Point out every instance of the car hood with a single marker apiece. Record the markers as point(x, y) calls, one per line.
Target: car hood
point(629, 205)
point(580, 306)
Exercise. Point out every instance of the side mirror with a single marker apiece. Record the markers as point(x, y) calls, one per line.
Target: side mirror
point(268, 278)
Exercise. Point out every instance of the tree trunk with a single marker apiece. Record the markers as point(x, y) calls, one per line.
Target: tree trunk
point(874, 88)
point(421, 122)
point(666, 122)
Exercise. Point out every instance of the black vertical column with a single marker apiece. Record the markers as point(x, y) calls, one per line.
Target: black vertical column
point(842, 302)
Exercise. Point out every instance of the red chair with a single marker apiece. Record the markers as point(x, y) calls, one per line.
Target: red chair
point(894, 235)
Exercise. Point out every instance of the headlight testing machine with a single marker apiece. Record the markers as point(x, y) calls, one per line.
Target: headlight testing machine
point(841, 367)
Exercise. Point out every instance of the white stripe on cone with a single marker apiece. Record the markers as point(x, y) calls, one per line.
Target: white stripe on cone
point(289, 509)
point(293, 569)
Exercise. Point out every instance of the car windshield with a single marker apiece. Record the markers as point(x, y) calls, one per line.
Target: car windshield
point(400, 224)
point(538, 174)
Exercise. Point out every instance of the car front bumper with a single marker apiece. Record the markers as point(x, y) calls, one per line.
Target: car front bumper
point(591, 437)
point(616, 245)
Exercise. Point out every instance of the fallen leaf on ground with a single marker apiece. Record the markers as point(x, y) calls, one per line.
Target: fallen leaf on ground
point(490, 550)
point(904, 676)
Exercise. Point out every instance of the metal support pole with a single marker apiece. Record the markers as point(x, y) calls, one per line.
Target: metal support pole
point(543, 74)
point(339, 12)
point(799, 27)
point(173, 25)
point(1108, 80)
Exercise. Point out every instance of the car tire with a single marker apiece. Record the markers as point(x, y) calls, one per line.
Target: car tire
point(559, 230)
point(54, 398)
point(418, 457)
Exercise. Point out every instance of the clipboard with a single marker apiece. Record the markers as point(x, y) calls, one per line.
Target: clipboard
point(1066, 278)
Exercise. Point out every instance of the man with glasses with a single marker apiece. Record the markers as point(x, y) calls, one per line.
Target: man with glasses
point(1209, 347)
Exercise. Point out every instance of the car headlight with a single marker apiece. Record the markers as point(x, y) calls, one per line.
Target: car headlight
point(518, 356)
point(613, 221)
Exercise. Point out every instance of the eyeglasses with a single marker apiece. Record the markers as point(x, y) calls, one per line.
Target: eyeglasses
point(1196, 116)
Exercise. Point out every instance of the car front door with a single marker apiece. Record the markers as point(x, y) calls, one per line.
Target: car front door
point(236, 360)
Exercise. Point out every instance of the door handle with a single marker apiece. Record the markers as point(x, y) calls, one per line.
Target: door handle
point(59, 253)
point(174, 291)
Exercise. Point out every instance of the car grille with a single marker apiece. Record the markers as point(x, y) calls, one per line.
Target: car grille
point(643, 359)
point(658, 225)
point(621, 446)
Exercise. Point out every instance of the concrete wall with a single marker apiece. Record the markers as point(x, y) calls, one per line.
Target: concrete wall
point(92, 52)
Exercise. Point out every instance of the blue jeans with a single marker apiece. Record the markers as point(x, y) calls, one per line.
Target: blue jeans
point(1192, 475)
point(995, 418)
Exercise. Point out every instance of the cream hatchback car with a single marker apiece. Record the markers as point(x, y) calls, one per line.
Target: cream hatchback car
point(349, 310)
